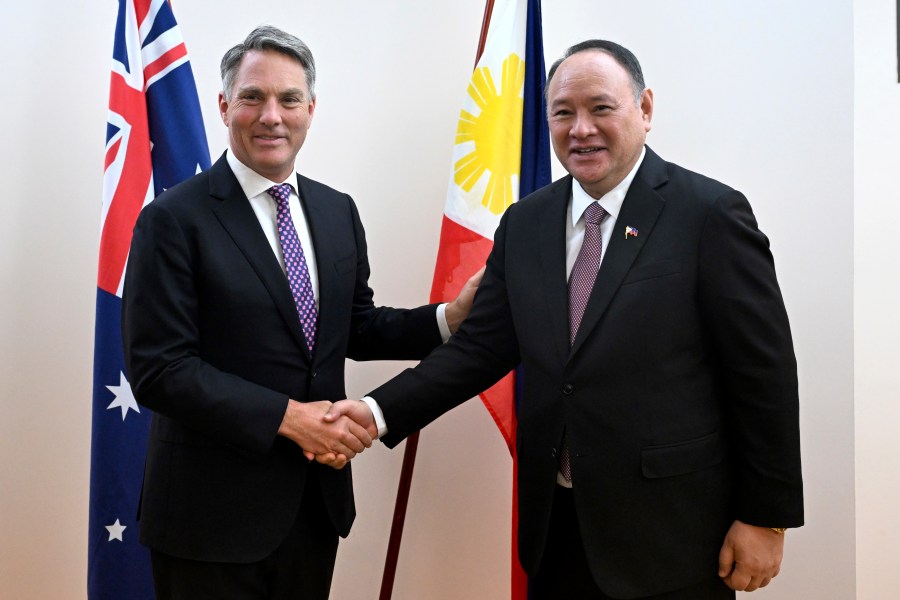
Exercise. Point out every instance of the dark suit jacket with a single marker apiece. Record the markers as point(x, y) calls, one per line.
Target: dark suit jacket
point(679, 395)
point(214, 347)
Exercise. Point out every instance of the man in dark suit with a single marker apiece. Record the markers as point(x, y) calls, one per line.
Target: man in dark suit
point(658, 436)
point(232, 355)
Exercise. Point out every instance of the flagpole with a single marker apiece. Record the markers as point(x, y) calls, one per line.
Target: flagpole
point(412, 442)
point(393, 552)
point(485, 24)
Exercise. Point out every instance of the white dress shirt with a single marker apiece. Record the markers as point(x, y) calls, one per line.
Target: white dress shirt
point(265, 208)
point(611, 203)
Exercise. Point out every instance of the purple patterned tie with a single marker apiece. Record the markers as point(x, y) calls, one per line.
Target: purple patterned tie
point(584, 273)
point(295, 264)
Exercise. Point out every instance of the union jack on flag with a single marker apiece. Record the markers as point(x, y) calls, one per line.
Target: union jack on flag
point(154, 139)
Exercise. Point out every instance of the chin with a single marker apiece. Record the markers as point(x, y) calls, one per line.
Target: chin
point(589, 176)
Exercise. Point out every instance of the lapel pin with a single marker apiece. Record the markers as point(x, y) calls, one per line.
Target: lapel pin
point(629, 230)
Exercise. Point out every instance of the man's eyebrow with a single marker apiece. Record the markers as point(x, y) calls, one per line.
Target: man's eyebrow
point(604, 98)
point(295, 91)
point(249, 88)
point(254, 89)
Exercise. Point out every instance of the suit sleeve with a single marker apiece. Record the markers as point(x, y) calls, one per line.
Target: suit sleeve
point(745, 318)
point(160, 327)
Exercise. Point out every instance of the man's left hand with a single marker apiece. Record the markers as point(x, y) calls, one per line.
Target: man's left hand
point(750, 557)
point(457, 311)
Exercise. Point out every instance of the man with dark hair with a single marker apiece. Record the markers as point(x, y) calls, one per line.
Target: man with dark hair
point(658, 434)
point(247, 287)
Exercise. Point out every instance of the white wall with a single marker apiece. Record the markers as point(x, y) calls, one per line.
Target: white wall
point(876, 214)
point(759, 95)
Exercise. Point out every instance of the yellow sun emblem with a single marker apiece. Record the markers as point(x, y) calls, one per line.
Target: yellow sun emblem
point(496, 132)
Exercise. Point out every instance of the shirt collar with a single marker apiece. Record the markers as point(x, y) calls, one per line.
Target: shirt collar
point(611, 201)
point(252, 183)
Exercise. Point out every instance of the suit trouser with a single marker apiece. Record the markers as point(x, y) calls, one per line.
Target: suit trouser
point(300, 568)
point(564, 570)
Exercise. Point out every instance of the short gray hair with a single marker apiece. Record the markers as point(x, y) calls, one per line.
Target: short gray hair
point(620, 54)
point(266, 37)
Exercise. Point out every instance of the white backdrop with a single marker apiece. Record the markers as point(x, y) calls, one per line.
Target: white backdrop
point(792, 103)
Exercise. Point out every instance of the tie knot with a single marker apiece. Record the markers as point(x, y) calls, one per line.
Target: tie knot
point(594, 213)
point(281, 193)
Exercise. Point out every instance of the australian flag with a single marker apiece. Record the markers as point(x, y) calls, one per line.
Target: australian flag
point(154, 139)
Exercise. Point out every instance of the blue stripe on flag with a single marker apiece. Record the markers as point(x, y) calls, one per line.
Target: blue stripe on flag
point(164, 21)
point(535, 166)
point(176, 128)
point(120, 50)
point(111, 130)
point(116, 569)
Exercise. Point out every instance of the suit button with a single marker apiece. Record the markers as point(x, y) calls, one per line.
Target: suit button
point(314, 373)
point(568, 389)
point(553, 452)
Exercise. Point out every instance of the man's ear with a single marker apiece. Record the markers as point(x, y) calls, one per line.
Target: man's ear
point(223, 108)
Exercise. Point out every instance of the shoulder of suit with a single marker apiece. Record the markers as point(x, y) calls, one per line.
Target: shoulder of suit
point(184, 194)
point(682, 182)
point(317, 187)
point(559, 190)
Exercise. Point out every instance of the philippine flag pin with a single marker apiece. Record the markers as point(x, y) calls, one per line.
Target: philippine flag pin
point(629, 230)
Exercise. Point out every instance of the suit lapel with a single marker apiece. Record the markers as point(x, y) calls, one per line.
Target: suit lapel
point(239, 220)
point(552, 236)
point(640, 210)
point(320, 218)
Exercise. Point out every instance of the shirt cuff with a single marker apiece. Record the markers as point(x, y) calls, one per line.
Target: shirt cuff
point(377, 414)
point(442, 321)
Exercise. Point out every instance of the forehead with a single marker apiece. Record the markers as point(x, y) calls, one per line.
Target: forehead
point(267, 68)
point(589, 72)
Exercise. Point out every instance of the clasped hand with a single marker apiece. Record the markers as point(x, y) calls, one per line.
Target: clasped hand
point(331, 434)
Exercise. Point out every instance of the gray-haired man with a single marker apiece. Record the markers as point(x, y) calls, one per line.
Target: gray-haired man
point(247, 288)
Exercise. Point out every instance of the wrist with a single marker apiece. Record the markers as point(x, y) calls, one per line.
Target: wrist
point(286, 426)
point(377, 415)
point(453, 315)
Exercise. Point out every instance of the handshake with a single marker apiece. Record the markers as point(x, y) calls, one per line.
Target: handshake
point(332, 434)
point(329, 433)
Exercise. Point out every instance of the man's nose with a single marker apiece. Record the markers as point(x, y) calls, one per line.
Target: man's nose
point(271, 112)
point(583, 126)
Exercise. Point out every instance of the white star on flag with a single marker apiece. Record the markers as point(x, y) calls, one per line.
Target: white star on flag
point(124, 397)
point(115, 531)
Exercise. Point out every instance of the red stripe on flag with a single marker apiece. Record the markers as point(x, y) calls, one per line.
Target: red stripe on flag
point(141, 10)
point(518, 579)
point(461, 253)
point(111, 154)
point(164, 61)
point(500, 403)
point(128, 199)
